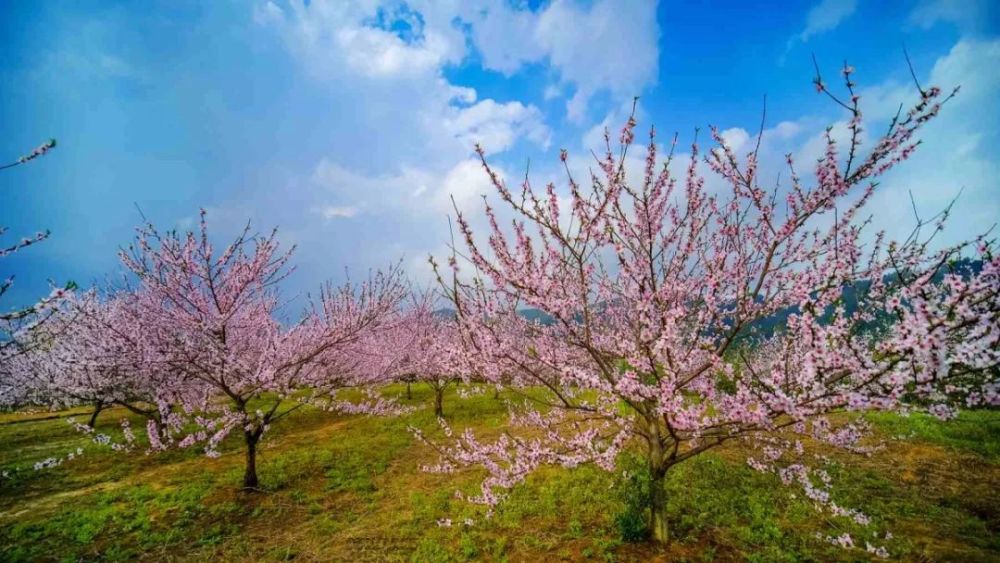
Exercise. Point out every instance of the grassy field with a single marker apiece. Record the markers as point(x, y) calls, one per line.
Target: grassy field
point(350, 488)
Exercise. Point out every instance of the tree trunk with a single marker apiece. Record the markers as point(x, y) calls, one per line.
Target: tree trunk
point(409, 393)
point(250, 474)
point(658, 530)
point(153, 414)
point(93, 418)
point(496, 392)
point(438, 399)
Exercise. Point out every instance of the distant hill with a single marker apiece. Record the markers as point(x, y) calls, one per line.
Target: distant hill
point(536, 315)
point(768, 326)
point(849, 299)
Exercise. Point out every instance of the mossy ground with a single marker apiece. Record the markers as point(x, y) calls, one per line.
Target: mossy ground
point(350, 488)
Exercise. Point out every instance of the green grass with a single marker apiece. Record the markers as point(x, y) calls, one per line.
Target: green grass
point(976, 431)
point(350, 488)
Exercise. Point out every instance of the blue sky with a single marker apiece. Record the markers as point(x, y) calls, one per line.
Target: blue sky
point(349, 125)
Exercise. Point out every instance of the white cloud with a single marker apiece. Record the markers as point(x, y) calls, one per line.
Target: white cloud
point(416, 201)
point(823, 17)
point(394, 80)
point(334, 212)
point(334, 38)
point(504, 35)
point(970, 16)
point(583, 44)
point(466, 183)
point(589, 50)
point(267, 13)
point(786, 130)
point(413, 190)
point(496, 126)
point(379, 53)
point(593, 139)
point(415, 128)
point(736, 138)
point(360, 188)
point(958, 148)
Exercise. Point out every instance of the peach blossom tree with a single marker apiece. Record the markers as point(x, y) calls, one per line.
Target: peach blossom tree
point(659, 289)
point(223, 360)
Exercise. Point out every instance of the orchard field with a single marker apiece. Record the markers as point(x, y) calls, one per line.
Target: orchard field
point(350, 488)
point(332, 332)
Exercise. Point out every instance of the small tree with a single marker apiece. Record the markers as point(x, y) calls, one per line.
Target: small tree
point(91, 352)
point(211, 318)
point(659, 290)
point(419, 347)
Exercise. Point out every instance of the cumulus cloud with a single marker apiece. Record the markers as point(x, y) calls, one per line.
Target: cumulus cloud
point(359, 38)
point(593, 138)
point(358, 48)
point(378, 53)
point(590, 51)
point(418, 192)
point(504, 35)
point(384, 64)
point(786, 130)
point(466, 183)
point(735, 137)
point(496, 126)
point(583, 44)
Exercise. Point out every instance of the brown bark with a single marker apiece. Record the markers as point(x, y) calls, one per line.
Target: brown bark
point(93, 418)
point(438, 402)
point(250, 473)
